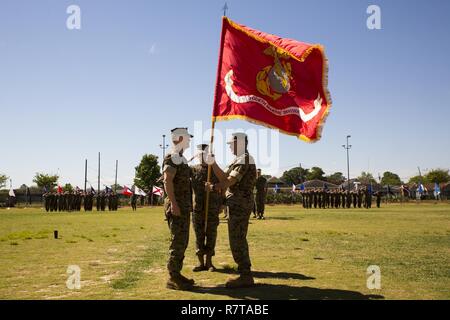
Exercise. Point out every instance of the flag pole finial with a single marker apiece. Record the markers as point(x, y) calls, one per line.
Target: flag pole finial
point(225, 8)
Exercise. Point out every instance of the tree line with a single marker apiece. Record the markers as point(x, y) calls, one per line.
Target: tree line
point(299, 175)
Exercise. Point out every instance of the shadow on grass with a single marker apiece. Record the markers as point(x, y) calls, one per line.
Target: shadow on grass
point(282, 218)
point(285, 292)
point(282, 292)
point(267, 274)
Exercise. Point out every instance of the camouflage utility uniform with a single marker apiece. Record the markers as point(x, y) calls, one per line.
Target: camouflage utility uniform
point(261, 184)
point(178, 225)
point(239, 199)
point(205, 242)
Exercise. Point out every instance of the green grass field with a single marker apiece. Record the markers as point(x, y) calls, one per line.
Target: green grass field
point(296, 254)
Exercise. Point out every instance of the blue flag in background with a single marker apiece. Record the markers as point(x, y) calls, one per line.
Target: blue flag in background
point(437, 189)
point(276, 188)
point(302, 187)
point(420, 188)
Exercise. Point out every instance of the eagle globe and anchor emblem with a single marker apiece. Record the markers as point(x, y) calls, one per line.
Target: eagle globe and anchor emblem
point(273, 81)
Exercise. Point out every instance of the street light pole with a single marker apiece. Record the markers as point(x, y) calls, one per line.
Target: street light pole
point(348, 147)
point(85, 174)
point(163, 146)
point(115, 180)
point(98, 179)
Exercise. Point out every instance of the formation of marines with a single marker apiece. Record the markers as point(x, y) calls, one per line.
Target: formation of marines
point(338, 198)
point(66, 201)
point(74, 201)
point(186, 192)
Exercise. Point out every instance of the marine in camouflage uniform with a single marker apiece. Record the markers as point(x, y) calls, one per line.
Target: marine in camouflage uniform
point(303, 199)
point(368, 198)
point(327, 198)
point(310, 198)
point(338, 199)
point(46, 201)
point(115, 201)
point(238, 180)
point(320, 198)
point(133, 201)
point(315, 197)
point(110, 201)
point(78, 201)
point(261, 191)
point(59, 200)
point(85, 201)
point(68, 202)
point(360, 198)
point(378, 195)
point(348, 199)
point(177, 207)
point(92, 196)
point(53, 202)
point(102, 201)
point(205, 241)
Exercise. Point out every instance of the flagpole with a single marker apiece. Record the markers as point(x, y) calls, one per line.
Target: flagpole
point(115, 180)
point(211, 142)
point(213, 119)
point(98, 189)
point(85, 174)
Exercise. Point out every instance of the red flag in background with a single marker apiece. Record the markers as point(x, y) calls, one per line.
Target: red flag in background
point(276, 82)
point(60, 189)
point(158, 191)
point(126, 191)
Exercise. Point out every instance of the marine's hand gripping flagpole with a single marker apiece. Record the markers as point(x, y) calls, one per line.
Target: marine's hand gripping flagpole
point(213, 121)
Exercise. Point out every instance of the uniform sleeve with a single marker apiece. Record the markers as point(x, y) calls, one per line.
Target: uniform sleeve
point(169, 167)
point(239, 171)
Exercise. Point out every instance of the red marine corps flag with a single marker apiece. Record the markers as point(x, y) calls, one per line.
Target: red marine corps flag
point(276, 82)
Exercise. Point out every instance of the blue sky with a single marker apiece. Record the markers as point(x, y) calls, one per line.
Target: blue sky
point(136, 69)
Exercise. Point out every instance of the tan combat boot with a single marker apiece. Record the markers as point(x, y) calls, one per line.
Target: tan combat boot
point(243, 281)
point(178, 282)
